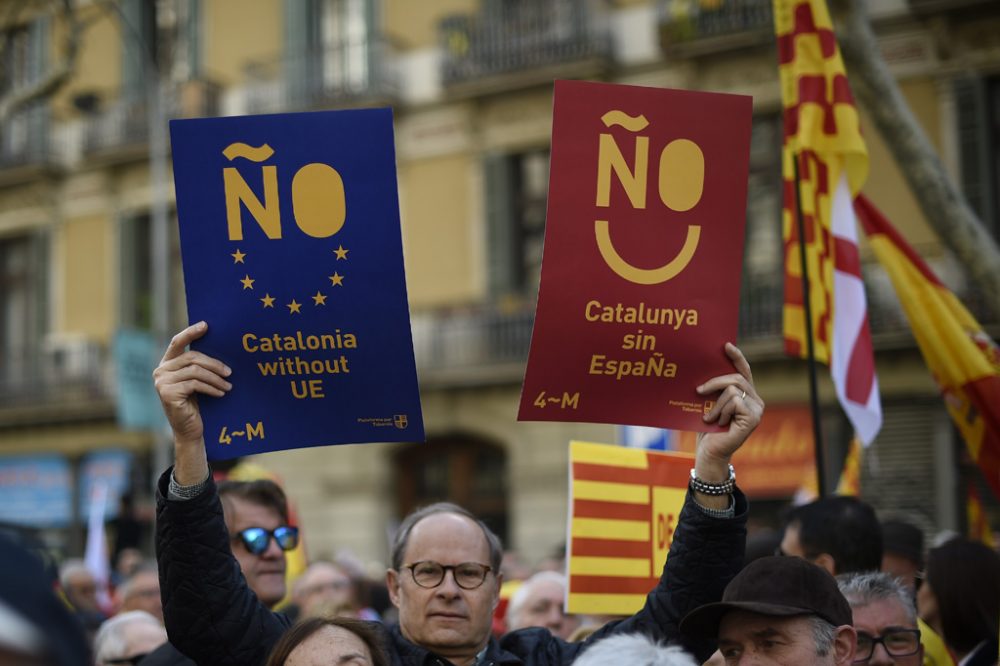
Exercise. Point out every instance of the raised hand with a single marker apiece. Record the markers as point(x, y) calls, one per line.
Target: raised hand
point(737, 406)
point(180, 377)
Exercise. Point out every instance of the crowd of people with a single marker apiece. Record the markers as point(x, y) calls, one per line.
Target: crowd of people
point(836, 586)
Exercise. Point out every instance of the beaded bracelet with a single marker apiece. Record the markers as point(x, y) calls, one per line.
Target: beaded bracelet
point(706, 488)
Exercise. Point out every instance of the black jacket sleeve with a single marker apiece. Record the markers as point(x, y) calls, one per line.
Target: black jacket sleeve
point(705, 554)
point(210, 613)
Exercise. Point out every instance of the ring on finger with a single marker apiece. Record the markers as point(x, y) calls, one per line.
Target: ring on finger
point(743, 397)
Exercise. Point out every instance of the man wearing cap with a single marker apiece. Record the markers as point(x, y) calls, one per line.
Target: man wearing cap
point(778, 611)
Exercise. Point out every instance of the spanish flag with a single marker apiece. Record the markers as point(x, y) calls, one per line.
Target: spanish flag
point(978, 526)
point(850, 475)
point(964, 361)
point(823, 147)
point(624, 508)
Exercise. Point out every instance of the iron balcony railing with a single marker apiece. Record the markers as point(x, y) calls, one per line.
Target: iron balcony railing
point(25, 139)
point(353, 72)
point(125, 123)
point(509, 37)
point(469, 344)
point(489, 344)
point(685, 21)
point(54, 374)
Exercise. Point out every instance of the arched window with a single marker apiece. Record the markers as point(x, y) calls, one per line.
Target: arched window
point(459, 468)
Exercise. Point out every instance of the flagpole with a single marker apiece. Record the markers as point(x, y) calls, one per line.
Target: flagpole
point(810, 345)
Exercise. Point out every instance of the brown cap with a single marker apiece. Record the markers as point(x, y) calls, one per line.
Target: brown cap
point(780, 586)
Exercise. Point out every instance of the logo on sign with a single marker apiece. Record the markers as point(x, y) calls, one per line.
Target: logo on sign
point(680, 183)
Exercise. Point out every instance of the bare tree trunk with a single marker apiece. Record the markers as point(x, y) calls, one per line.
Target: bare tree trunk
point(57, 76)
point(946, 209)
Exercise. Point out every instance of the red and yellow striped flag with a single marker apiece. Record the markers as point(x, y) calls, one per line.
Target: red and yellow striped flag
point(822, 137)
point(964, 361)
point(979, 527)
point(624, 505)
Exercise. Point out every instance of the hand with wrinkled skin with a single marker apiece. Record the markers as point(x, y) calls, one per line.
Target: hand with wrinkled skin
point(180, 377)
point(742, 413)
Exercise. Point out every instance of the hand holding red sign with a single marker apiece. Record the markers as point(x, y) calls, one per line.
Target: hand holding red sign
point(739, 407)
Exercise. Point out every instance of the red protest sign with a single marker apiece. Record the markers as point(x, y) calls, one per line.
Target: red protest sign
point(643, 251)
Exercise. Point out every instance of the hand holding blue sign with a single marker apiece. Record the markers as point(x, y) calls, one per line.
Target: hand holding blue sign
point(181, 375)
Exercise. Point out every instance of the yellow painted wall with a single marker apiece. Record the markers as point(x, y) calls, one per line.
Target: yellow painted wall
point(886, 185)
point(438, 238)
point(98, 67)
point(412, 24)
point(235, 32)
point(87, 304)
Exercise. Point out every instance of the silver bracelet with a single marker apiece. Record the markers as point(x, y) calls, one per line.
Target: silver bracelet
point(705, 488)
point(176, 491)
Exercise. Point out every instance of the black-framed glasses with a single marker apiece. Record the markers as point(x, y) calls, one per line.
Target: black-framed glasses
point(897, 642)
point(256, 539)
point(467, 575)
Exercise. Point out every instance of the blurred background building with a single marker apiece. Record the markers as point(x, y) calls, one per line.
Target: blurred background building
point(89, 283)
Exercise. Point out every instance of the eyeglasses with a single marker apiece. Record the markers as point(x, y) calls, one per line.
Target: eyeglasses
point(126, 661)
point(257, 539)
point(897, 642)
point(467, 575)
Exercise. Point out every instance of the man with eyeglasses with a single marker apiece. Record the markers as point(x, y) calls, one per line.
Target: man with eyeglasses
point(445, 577)
point(884, 618)
point(256, 519)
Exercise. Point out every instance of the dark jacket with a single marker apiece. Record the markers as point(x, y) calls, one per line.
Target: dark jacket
point(212, 615)
point(166, 655)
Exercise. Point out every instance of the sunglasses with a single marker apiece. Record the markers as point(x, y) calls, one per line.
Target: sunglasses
point(257, 539)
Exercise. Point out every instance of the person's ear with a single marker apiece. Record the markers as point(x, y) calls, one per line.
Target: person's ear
point(844, 645)
point(826, 561)
point(392, 584)
point(496, 590)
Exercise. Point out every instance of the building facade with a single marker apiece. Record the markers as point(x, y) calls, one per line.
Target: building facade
point(89, 253)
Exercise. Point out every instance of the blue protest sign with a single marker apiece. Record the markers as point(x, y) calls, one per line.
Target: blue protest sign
point(292, 253)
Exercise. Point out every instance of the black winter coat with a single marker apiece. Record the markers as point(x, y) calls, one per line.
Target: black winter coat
point(166, 655)
point(212, 615)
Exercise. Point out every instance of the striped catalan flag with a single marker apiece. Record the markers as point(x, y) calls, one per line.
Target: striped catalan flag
point(964, 361)
point(624, 505)
point(824, 165)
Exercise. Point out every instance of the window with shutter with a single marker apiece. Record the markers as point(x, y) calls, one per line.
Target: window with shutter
point(516, 191)
point(978, 132)
point(23, 305)
point(139, 46)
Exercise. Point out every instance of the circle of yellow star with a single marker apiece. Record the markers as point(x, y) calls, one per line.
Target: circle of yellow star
point(319, 299)
point(294, 307)
point(238, 256)
point(268, 301)
point(247, 282)
point(337, 279)
point(341, 252)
